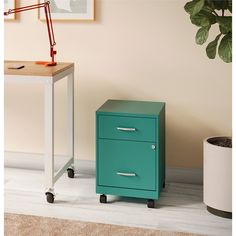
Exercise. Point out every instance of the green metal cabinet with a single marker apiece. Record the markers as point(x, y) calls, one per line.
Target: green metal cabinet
point(130, 149)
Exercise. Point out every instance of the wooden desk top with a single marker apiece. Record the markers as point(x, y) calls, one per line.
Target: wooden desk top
point(35, 70)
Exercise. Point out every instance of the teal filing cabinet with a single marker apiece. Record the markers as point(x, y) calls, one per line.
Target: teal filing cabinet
point(130, 149)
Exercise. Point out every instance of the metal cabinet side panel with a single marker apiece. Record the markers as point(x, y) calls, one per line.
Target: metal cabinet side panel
point(161, 148)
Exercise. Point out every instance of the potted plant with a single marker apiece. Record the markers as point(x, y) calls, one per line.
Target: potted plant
point(217, 167)
point(204, 14)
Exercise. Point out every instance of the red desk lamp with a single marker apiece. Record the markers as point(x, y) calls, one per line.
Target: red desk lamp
point(52, 42)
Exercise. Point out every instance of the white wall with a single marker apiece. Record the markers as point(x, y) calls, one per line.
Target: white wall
point(136, 49)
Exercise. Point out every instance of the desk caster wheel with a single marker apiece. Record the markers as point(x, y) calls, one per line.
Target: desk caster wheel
point(103, 198)
point(70, 173)
point(50, 197)
point(151, 203)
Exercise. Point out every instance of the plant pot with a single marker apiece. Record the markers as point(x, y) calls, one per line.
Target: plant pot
point(217, 177)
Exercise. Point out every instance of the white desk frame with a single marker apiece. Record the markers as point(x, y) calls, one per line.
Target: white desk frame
point(49, 81)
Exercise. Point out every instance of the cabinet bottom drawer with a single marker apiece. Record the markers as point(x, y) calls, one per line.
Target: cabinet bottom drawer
point(126, 164)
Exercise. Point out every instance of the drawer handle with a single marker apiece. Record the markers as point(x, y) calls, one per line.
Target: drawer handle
point(126, 129)
point(126, 174)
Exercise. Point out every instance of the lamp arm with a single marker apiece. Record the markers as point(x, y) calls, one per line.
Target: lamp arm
point(50, 31)
point(47, 12)
point(25, 8)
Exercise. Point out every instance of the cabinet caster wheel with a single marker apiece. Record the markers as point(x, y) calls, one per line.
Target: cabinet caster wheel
point(103, 198)
point(151, 203)
point(50, 197)
point(70, 173)
point(164, 184)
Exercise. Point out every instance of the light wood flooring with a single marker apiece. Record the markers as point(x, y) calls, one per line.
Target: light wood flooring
point(180, 207)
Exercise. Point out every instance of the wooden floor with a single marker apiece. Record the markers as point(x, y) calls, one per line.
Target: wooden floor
point(180, 207)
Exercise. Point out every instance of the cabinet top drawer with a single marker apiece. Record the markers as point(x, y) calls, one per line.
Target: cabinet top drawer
point(126, 128)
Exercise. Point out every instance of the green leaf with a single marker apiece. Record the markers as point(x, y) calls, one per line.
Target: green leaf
point(225, 23)
point(202, 35)
point(200, 20)
point(203, 18)
point(194, 7)
point(210, 16)
point(225, 48)
point(230, 5)
point(223, 30)
point(220, 4)
point(211, 47)
point(206, 8)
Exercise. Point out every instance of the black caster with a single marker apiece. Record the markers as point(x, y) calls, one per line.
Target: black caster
point(70, 173)
point(50, 197)
point(103, 198)
point(151, 203)
point(164, 184)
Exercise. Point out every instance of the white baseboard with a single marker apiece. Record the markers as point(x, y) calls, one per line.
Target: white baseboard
point(36, 162)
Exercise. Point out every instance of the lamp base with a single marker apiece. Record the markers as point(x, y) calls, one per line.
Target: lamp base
point(46, 63)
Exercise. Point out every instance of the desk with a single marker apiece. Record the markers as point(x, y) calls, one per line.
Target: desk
point(48, 76)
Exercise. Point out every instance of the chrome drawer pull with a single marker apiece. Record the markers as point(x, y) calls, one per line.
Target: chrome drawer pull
point(126, 129)
point(126, 174)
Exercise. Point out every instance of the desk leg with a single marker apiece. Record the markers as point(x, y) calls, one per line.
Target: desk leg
point(49, 140)
point(70, 122)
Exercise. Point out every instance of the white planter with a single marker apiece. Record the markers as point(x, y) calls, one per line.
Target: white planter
point(217, 178)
